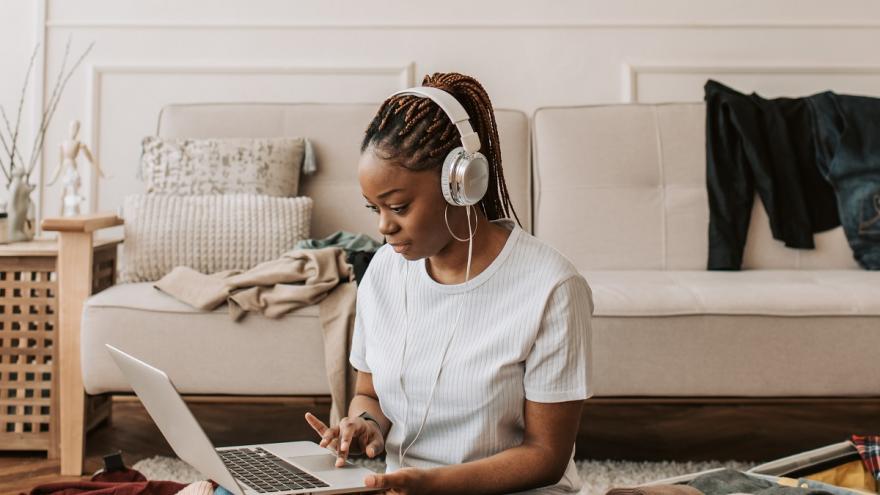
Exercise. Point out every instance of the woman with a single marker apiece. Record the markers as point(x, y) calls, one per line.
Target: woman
point(472, 337)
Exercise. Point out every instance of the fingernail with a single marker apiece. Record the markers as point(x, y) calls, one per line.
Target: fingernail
point(340, 462)
point(370, 451)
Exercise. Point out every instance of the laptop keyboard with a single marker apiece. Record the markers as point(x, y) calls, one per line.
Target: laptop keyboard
point(265, 472)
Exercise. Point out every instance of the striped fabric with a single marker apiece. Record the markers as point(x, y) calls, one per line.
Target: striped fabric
point(524, 334)
point(869, 448)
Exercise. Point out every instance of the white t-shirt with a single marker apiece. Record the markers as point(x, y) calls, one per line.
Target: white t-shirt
point(524, 333)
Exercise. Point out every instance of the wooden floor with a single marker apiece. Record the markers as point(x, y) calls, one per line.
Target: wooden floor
point(611, 429)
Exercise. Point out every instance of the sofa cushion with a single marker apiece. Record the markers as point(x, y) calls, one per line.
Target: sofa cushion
point(636, 176)
point(268, 166)
point(748, 292)
point(208, 233)
point(202, 352)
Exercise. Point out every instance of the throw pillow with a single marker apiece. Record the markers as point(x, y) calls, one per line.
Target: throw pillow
point(268, 166)
point(208, 233)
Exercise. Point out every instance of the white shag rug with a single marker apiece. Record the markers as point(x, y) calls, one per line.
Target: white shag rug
point(598, 476)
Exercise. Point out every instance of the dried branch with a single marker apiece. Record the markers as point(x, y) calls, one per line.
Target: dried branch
point(11, 147)
point(10, 152)
point(6, 172)
point(47, 117)
point(27, 77)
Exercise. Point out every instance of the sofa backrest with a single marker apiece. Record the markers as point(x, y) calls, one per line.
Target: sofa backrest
point(623, 187)
point(336, 131)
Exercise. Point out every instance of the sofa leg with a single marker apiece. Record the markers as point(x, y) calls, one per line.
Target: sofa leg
point(72, 433)
point(74, 287)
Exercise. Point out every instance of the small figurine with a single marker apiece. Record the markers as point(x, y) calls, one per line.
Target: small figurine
point(70, 149)
point(20, 206)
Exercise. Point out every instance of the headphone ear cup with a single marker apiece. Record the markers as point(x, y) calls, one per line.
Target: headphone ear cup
point(464, 179)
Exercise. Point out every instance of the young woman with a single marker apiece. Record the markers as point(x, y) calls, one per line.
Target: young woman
point(472, 337)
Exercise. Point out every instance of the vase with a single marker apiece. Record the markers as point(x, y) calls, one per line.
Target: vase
point(20, 208)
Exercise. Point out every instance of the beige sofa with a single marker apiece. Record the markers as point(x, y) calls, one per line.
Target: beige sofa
point(618, 189)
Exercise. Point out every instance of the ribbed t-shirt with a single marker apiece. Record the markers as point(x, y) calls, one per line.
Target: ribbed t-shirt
point(524, 333)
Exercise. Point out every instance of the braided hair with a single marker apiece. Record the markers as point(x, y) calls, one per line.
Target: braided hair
point(417, 134)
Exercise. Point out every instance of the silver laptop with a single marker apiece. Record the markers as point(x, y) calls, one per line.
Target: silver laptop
point(291, 467)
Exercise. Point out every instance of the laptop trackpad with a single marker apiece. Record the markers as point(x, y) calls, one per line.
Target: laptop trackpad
point(313, 463)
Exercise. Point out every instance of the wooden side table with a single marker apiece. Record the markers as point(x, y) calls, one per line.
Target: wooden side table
point(30, 302)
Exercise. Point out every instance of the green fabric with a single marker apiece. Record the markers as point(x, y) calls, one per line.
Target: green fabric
point(345, 240)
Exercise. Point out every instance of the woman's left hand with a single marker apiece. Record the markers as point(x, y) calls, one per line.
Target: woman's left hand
point(404, 481)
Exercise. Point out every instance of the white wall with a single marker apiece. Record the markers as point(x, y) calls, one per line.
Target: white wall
point(527, 54)
point(17, 38)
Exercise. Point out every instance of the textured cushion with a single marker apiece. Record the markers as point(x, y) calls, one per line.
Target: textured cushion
point(203, 352)
point(749, 292)
point(268, 166)
point(208, 233)
point(636, 176)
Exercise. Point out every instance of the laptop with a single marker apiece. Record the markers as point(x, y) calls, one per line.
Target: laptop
point(290, 467)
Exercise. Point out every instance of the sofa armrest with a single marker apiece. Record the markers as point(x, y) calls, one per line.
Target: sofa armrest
point(85, 266)
point(81, 223)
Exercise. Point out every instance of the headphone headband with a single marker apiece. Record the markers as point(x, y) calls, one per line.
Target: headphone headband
point(470, 140)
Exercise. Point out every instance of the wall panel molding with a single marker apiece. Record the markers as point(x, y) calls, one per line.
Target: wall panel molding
point(37, 101)
point(595, 24)
point(632, 71)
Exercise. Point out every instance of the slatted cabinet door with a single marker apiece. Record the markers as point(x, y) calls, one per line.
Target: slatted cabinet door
point(28, 354)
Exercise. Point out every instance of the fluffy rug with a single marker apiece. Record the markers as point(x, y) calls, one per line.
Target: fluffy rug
point(598, 476)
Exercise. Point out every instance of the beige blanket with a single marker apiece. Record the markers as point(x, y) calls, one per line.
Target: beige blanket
point(298, 278)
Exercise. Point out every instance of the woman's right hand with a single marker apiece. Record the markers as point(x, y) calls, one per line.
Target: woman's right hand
point(356, 435)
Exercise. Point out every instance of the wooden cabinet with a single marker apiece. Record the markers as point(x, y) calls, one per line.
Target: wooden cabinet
point(30, 302)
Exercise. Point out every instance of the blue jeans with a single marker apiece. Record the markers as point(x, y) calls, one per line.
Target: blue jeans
point(847, 138)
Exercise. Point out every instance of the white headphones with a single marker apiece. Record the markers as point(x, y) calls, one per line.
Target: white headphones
point(465, 175)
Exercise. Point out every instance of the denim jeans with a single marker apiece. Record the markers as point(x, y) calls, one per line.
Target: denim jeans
point(847, 136)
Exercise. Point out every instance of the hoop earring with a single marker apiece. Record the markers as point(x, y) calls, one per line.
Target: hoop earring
point(445, 217)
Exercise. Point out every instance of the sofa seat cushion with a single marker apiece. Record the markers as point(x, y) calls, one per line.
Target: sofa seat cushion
point(750, 292)
point(202, 352)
